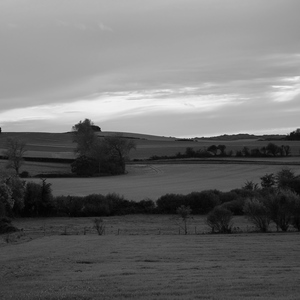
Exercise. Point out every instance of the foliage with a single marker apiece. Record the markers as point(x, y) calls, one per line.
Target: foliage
point(6, 226)
point(6, 200)
point(118, 148)
point(268, 181)
point(184, 212)
point(250, 185)
point(84, 137)
point(257, 213)
point(99, 226)
point(38, 199)
point(202, 202)
point(84, 166)
point(280, 207)
point(283, 177)
point(15, 152)
point(220, 220)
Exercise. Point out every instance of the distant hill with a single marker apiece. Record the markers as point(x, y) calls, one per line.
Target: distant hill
point(244, 136)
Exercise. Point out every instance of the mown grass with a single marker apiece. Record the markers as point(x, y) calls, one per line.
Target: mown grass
point(237, 266)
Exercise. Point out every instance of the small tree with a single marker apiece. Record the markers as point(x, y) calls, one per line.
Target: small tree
point(268, 180)
point(257, 213)
point(213, 149)
point(272, 149)
point(15, 152)
point(99, 226)
point(84, 136)
point(281, 208)
point(220, 220)
point(118, 148)
point(222, 149)
point(184, 212)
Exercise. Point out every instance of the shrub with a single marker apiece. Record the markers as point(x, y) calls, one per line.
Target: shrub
point(84, 166)
point(257, 213)
point(99, 226)
point(202, 202)
point(6, 226)
point(281, 208)
point(169, 203)
point(220, 220)
point(71, 206)
point(24, 174)
point(235, 206)
point(184, 212)
point(95, 205)
point(38, 199)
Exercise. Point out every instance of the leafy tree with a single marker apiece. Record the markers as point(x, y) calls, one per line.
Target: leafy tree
point(190, 152)
point(38, 200)
point(15, 152)
point(246, 151)
point(84, 166)
point(281, 207)
point(6, 201)
point(84, 136)
point(250, 185)
point(272, 149)
point(118, 148)
point(222, 149)
point(268, 180)
point(286, 150)
point(257, 213)
point(283, 177)
point(184, 212)
point(220, 220)
point(213, 149)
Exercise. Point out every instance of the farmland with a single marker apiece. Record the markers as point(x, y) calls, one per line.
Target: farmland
point(152, 179)
point(144, 256)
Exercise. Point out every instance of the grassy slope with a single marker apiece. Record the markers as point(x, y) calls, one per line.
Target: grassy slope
point(153, 181)
point(248, 266)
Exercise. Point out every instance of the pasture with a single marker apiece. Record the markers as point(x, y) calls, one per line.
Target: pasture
point(152, 181)
point(60, 145)
point(143, 266)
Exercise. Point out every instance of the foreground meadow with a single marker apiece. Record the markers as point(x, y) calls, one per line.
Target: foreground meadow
point(237, 266)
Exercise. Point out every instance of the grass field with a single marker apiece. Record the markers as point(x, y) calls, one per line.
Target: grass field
point(150, 266)
point(60, 144)
point(152, 181)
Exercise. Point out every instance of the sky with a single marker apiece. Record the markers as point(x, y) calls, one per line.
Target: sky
point(184, 68)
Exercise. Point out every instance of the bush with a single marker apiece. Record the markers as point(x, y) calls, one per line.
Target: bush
point(202, 202)
point(24, 174)
point(95, 205)
point(169, 203)
point(257, 213)
point(6, 226)
point(281, 208)
point(84, 166)
point(220, 220)
point(38, 200)
point(71, 206)
point(235, 206)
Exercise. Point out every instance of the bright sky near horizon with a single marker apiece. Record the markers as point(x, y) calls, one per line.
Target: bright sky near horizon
point(163, 67)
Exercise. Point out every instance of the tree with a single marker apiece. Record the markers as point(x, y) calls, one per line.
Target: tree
point(257, 213)
point(184, 212)
point(220, 220)
point(283, 177)
point(213, 149)
point(222, 149)
point(281, 208)
point(118, 148)
point(15, 152)
point(268, 180)
point(272, 149)
point(84, 136)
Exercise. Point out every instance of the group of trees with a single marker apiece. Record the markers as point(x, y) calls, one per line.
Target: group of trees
point(271, 149)
point(294, 135)
point(96, 155)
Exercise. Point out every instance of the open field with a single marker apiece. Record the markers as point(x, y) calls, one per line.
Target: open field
point(152, 181)
point(60, 144)
point(152, 266)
